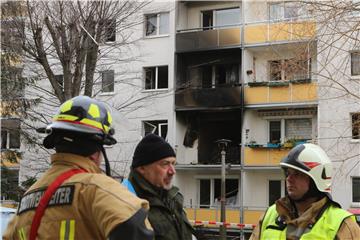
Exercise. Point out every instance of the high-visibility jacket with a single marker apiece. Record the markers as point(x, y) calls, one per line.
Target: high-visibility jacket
point(325, 228)
point(86, 206)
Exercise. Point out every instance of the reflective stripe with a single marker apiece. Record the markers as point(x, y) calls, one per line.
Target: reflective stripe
point(67, 230)
point(109, 118)
point(22, 234)
point(66, 106)
point(65, 117)
point(94, 110)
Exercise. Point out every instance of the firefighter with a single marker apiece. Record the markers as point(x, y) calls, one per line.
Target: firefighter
point(307, 211)
point(74, 199)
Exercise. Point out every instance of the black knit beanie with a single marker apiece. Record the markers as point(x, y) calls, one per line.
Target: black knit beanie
point(151, 149)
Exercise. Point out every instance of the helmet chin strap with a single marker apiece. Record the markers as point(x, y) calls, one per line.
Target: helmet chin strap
point(107, 164)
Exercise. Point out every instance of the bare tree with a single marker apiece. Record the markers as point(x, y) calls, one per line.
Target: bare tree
point(65, 36)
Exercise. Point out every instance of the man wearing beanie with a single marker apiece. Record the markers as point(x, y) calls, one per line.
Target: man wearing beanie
point(152, 171)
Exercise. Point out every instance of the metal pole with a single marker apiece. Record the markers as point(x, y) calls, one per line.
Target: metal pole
point(223, 198)
point(223, 144)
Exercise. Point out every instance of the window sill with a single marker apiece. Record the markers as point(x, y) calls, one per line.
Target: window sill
point(355, 141)
point(157, 36)
point(155, 90)
point(355, 77)
point(107, 94)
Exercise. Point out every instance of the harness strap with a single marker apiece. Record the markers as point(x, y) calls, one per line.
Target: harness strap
point(44, 201)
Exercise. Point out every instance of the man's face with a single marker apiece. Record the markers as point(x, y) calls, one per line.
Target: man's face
point(297, 183)
point(159, 173)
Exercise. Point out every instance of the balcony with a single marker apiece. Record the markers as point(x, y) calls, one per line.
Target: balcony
point(264, 156)
point(199, 39)
point(254, 34)
point(270, 32)
point(203, 98)
point(280, 93)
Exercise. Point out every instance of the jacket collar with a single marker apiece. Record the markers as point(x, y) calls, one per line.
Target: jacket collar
point(76, 161)
point(143, 187)
point(287, 211)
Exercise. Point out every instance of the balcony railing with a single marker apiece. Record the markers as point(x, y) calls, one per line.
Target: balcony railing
point(280, 92)
point(277, 31)
point(232, 215)
point(264, 156)
point(206, 38)
point(254, 33)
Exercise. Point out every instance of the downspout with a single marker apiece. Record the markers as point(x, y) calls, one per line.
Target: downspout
point(242, 236)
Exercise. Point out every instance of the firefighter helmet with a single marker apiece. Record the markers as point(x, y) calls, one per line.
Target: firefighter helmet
point(313, 161)
point(85, 116)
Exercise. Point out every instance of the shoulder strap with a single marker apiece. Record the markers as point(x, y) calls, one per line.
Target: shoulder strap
point(44, 201)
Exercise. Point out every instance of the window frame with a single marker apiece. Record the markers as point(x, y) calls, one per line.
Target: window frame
point(111, 85)
point(158, 126)
point(353, 127)
point(283, 136)
point(212, 190)
point(10, 131)
point(283, 71)
point(352, 189)
point(282, 189)
point(214, 24)
point(284, 5)
point(158, 24)
point(352, 70)
point(156, 78)
point(60, 80)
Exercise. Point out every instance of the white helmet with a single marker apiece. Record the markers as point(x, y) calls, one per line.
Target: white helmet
point(313, 161)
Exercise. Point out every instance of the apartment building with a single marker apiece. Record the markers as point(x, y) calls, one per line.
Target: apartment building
point(252, 72)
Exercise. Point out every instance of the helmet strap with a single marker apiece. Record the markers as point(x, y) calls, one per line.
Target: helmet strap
point(107, 164)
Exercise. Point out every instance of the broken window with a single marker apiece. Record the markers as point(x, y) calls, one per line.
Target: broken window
point(210, 192)
point(156, 77)
point(10, 134)
point(158, 127)
point(107, 81)
point(355, 121)
point(157, 24)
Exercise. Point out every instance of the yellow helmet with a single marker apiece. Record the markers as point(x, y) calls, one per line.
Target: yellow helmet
point(84, 116)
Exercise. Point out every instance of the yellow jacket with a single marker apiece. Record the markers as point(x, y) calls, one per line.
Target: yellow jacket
point(86, 206)
point(348, 229)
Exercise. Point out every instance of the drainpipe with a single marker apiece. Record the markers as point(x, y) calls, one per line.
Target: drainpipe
point(242, 149)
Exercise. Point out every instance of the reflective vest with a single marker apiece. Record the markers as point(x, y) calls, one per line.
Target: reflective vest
point(325, 228)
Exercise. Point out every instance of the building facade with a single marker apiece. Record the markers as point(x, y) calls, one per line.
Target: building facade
point(266, 75)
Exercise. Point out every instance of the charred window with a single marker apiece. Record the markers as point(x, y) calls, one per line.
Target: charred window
point(107, 81)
